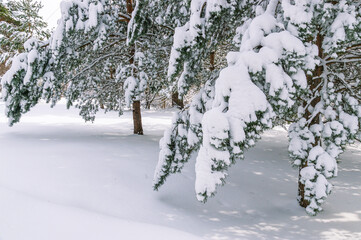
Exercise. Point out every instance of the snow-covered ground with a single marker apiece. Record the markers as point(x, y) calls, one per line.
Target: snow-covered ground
point(63, 179)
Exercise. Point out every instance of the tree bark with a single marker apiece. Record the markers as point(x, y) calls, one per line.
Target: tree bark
point(176, 102)
point(137, 118)
point(301, 189)
point(211, 61)
point(130, 7)
point(314, 82)
point(101, 105)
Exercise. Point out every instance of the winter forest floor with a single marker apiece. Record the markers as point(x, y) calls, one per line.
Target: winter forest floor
point(63, 179)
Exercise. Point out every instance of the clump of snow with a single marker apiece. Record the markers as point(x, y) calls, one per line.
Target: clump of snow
point(350, 122)
point(261, 25)
point(323, 162)
point(181, 39)
point(130, 85)
point(342, 20)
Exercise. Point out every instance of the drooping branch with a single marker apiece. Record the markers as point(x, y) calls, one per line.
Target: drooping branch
point(124, 17)
point(347, 59)
point(93, 64)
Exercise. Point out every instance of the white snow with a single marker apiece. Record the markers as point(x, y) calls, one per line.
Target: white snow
point(297, 12)
point(323, 161)
point(245, 98)
point(181, 38)
point(130, 85)
point(350, 122)
point(343, 19)
point(195, 20)
point(61, 178)
point(19, 62)
point(215, 130)
point(261, 25)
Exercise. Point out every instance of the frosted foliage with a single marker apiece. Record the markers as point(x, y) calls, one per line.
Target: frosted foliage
point(241, 108)
point(323, 162)
point(130, 85)
point(215, 6)
point(349, 121)
point(216, 130)
point(316, 188)
point(302, 13)
point(342, 20)
point(23, 61)
point(184, 136)
point(79, 15)
point(287, 69)
point(284, 41)
point(240, 112)
point(275, 45)
point(31, 47)
point(212, 156)
point(345, 19)
point(301, 140)
point(191, 38)
point(195, 19)
point(255, 32)
point(21, 85)
point(181, 39)
point(196, 22)
point(299, 12)
point(19, 63)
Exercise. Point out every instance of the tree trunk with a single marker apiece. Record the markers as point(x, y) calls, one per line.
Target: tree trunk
point(147, 105)
point(137, 118)
point(211, 61)
point(101, 105)
point(176, 102)
point(301, 189)
point(130, 7)
point(313, 81)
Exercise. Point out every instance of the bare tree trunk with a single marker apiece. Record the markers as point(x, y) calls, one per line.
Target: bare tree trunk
point(301, 189)
point(211, 61)
point(137, 118)
point(176, 102)
point(101, 105)
point(147, 105)
point(313, 81)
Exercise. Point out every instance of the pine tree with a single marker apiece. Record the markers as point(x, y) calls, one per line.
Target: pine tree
point(19, 21)
point(92, 63)
point(164, 17)
point(330, 114)
point(203, 56)
point(196, 40)
point(289, 68)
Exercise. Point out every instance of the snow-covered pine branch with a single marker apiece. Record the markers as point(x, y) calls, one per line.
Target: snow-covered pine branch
point(282, 61)
point(88, 53)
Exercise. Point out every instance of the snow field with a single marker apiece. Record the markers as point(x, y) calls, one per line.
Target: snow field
point(61, 178)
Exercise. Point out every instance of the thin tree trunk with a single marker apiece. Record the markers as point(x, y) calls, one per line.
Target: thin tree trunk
point(211, 61)
point(101, 105)
point(137, 118)
point(147, 105)
point(313, 81)
point(301, 189)
point(176, 102)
